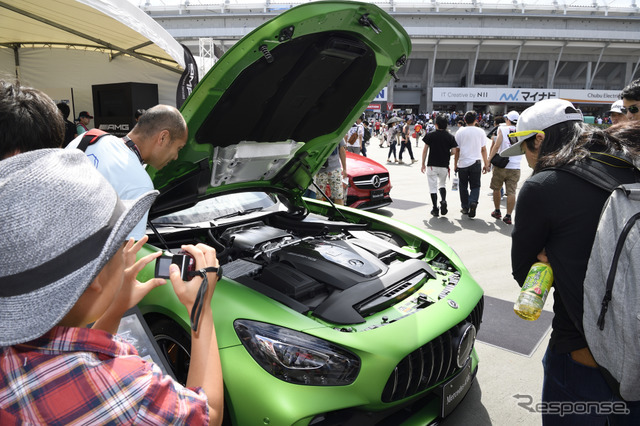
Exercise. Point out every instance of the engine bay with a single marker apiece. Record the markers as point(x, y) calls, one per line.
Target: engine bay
point(341, 272)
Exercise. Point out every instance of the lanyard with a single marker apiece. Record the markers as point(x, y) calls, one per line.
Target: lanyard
point(133, 147)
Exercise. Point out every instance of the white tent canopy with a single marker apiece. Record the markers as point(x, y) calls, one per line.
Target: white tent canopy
point(64, 46)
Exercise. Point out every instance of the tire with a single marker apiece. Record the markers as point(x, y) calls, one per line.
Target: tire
point(174, 343)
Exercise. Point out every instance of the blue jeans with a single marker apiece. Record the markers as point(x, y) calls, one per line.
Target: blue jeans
point(469, 180)
point(566, 382)
point(392, 150)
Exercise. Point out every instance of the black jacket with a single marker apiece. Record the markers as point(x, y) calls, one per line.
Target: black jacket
point(559, 212)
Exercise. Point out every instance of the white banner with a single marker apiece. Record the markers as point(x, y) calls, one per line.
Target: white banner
point(382, 96)
point(521, 95)
point(591, 96)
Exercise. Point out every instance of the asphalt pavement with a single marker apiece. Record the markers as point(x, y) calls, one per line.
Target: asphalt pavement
point(483, 243)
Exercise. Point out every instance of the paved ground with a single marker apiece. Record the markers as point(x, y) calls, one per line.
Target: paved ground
point(484, 245)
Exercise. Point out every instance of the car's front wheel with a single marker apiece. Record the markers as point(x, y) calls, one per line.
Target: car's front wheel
point(175, 346)
point(174, 343)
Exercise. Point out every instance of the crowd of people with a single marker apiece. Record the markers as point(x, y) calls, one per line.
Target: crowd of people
point(476, 146)
point(555, 214)
point(555, 221)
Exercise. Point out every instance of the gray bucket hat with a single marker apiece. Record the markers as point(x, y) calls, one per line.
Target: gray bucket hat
point(60, 223)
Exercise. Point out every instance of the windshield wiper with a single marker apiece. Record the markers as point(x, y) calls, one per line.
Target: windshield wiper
point(173, 225)
point(240, 213)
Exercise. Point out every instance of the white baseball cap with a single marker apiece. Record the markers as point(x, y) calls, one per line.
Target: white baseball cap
point(513, 116)
point(617, 107)
point(539, 117)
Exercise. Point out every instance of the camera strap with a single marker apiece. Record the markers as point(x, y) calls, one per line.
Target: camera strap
point(196, 311)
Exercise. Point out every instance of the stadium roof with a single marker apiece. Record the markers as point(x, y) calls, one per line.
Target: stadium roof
point(604, 7)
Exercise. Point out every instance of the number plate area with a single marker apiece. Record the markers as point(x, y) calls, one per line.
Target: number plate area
point(455, 389)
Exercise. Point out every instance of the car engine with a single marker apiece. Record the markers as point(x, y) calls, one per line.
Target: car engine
point(342, 272)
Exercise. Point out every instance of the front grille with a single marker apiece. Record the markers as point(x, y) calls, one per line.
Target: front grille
point(370, 181)
point(370, 205)
point(428, 365)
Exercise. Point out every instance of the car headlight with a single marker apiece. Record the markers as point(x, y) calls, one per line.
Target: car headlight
point(297, 357)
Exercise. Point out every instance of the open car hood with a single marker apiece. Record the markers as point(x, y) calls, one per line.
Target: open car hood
point(271, 110)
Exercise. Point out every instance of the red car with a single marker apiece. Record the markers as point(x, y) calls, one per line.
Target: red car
point(369, 183)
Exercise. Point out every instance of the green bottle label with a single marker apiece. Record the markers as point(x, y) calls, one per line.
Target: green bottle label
point(538, 281)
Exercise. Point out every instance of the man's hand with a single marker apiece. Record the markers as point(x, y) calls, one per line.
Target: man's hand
point(133, 291)
point(187, 291)
point(542, 256)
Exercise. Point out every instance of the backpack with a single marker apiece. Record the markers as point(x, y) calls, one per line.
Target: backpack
point(367, 134)
point(353, 137)
point(90, 137)
point(611, 291)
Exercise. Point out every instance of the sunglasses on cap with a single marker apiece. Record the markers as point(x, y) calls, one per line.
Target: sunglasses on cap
point(525, 133)
point(633, 109)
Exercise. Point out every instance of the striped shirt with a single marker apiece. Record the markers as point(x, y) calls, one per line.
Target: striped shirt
point(84, 376)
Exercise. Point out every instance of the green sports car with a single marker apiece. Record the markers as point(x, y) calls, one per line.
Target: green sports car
point(325, 315)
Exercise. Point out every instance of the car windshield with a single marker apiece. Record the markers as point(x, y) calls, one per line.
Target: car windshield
point(219, 207)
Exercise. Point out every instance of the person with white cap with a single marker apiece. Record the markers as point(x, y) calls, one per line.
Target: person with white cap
point(556, 218)
point(616, 114)
point(509, 175)
point(64, 264)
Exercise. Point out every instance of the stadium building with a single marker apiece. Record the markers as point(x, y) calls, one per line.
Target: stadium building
point(469, 54)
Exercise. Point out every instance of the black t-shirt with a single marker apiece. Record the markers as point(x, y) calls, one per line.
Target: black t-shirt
point(440, 143)
point(69, 132)
point(559, 212)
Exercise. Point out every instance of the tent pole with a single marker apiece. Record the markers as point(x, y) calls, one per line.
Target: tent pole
point(16, 59)
point(73, 104)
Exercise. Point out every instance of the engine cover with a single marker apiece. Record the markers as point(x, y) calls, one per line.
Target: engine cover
point(336, 263)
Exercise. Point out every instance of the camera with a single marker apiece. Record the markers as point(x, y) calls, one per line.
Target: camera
point(185, 262)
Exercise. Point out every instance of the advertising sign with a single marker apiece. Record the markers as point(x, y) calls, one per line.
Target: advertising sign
point(521, 95)
point(382, 96)
point(591, 96)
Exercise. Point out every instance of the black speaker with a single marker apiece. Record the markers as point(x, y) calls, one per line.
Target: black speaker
point(114, 105)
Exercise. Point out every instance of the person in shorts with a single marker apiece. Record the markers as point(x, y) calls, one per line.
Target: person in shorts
point(510, 174)
point(332, 173)
point(439, 145)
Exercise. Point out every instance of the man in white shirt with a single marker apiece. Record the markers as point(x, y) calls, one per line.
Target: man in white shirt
point(467, 159)
point(156, 139)
point(357, 143)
